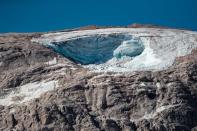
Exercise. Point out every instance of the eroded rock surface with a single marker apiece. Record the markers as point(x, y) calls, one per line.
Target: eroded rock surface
point(82, 100)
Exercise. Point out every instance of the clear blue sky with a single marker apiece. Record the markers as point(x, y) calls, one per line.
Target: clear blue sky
point(47, 15)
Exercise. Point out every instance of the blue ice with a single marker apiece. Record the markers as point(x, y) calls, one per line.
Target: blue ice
point(98, 49)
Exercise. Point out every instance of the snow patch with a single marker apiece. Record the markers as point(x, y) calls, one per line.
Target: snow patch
point(28, 92)
point(52, 62)
point(156, 112)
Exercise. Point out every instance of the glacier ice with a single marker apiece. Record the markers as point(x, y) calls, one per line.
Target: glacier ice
point(98, 49)
point(122, 49)
point(132, 48)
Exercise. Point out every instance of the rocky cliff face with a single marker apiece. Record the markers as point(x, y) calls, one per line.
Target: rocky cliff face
point(41, 88)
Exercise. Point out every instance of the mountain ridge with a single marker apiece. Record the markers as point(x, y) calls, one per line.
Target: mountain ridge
point(40, 89)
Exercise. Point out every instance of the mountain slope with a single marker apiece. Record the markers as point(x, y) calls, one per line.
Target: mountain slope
point(103, 79)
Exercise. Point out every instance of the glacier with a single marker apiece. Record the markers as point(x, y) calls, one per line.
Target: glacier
point(121, 49)
point(98, 49)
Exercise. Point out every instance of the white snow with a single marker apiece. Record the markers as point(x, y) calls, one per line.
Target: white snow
point(162, 108)
point(13, 110)
point(64, 36)
point(28, 92)
point(154, 113)
point(52, 62)
point(161, 47)
point(147, 60)
point(158, 85)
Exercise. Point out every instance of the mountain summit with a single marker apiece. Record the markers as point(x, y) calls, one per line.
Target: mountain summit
point(99, 79)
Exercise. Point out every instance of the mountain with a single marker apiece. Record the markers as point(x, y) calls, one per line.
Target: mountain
point(99, 79)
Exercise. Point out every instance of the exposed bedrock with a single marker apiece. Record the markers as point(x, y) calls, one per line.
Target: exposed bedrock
point(160, 101)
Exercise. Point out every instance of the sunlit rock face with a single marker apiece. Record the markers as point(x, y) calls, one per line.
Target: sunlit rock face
point(99, 49)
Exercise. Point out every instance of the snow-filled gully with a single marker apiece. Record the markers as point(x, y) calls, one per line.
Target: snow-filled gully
point(28, 92)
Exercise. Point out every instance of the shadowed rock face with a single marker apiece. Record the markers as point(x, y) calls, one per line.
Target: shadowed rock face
point(21, 61)
point(162, 100)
